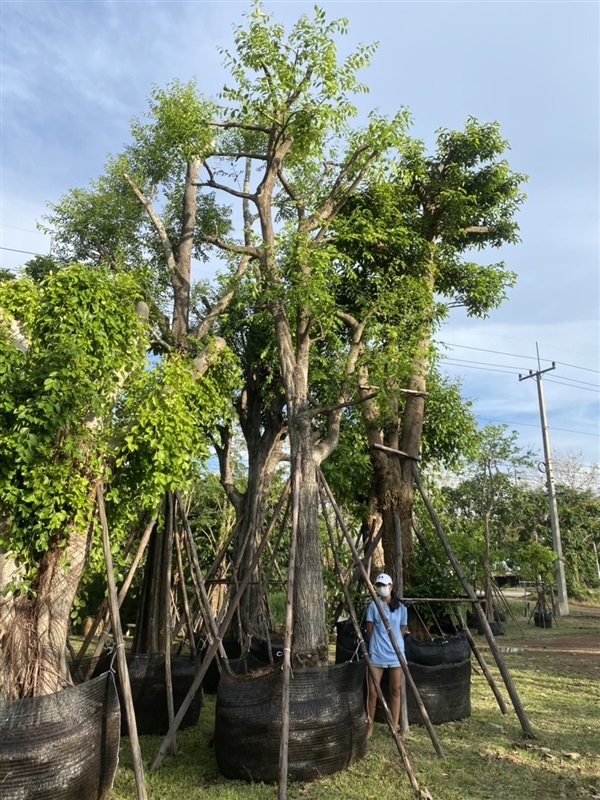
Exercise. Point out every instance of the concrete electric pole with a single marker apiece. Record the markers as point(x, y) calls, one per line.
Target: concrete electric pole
point(563, 600)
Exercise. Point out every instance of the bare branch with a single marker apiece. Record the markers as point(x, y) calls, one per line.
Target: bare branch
point(156, 221)
point(227, 189)
point(296, 199)
point(480, 229)
point(220, 306)
point(230, 247)
point(344, 404)
point(240, 126)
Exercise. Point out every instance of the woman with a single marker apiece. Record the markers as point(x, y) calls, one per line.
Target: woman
point(381, 651)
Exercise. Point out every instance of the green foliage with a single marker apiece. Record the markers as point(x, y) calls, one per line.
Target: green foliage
point(294, 79)
point(40, 267)
point(56, 399)
point(81, 403)
point(177, 131)
point(536, 562)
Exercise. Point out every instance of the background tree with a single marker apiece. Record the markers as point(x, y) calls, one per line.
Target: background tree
point(410, 230)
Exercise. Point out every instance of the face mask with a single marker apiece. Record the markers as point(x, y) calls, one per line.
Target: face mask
point(384, 591)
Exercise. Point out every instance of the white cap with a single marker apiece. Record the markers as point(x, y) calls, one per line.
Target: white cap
point(383, 578)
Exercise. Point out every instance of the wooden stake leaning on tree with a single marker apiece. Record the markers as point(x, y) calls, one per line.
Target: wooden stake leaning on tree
point(184, 598)
point(212, 629)
point(169, 528)
point(422, 793)
point(377, 601)
point(209, 655)
point(356, 572)
point(113, 604)
point(103, 608)
point(500, 595)
point(287, 643)
point(484, 624)
point(481, 661)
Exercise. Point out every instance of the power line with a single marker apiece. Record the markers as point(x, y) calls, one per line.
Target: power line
point(27, 252)
point(531, 425)
point(506, 369)
point(517, 355)
point(570, 385)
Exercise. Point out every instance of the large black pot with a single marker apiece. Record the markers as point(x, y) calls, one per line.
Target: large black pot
point(443, 650)
point(542, 620)
point(328, 722)
point(149, 691)
point(62, 746)
point(441, 670)
point(346, 643)
point(445, 690)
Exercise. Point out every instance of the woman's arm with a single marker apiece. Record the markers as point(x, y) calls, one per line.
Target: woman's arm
point(370, 626)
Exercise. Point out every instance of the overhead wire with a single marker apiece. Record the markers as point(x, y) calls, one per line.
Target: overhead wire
point(518, 355)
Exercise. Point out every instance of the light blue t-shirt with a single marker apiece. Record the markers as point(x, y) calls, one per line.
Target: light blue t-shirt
point(381, 650)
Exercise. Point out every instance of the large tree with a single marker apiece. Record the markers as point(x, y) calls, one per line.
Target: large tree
point(288, 113)
point(413, 228)
point(79, 405)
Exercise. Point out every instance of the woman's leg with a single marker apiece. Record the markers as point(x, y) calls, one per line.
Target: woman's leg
point(377, 673)
point(395, 677)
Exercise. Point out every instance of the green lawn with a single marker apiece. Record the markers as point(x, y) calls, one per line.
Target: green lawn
point(486, 754)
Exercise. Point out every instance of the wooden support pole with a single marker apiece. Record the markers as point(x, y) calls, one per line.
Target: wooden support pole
point(168, 544)
point(409, 679)
point(184, 597)
point(481, 661)
point(356, 573)
point(210, 654)
point(204, 601)
point(287, 642)
point(423, 793)
point(103, 608)
point(484, 624)
point(113, 604)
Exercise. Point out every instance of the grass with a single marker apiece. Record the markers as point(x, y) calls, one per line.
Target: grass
point(486, 754)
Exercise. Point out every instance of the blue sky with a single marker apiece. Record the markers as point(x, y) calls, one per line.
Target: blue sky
point(73, 74)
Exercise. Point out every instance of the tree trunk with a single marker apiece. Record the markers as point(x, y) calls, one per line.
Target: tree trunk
point(310, 632)
point(180, 278)
point(261, 467)
point(34, 626)
point(152, 618)
point(489, 599)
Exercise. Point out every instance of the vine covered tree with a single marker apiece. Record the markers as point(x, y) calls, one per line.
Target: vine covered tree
point(79, 405)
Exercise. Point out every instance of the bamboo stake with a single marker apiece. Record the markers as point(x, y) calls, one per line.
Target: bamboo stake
point(103, 608)
point(528, 732)
point(168, 544)
point(482, 664)
point(356, 573)
point(364, 650)
point(113, 603)
point(222, 629)
point(184, 597)
point(377, 601)
point(205, 604)
point(122, 592)
point(287, 643)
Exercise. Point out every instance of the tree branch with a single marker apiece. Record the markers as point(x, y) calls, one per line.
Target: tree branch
point(230, 247)
point(156, 221)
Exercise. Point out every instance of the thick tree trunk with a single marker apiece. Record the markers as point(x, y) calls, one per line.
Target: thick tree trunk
point(152, 619)
point(261, 467)
point(34, 626)
point(180, 277)
point(310, 632)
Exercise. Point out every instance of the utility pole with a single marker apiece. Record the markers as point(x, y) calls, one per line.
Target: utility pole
point(563, 600)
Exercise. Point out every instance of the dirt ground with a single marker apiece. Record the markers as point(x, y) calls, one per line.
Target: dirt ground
point(573, 641)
